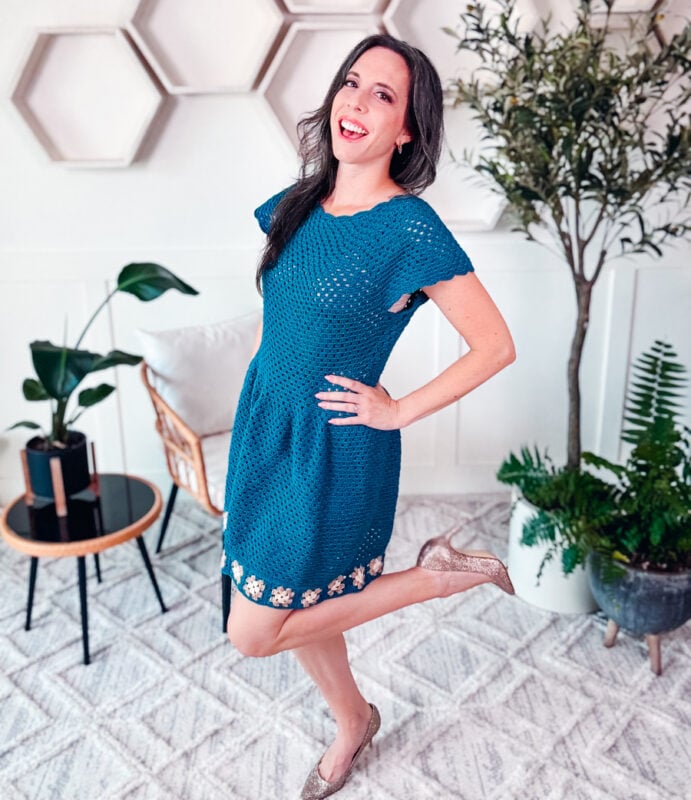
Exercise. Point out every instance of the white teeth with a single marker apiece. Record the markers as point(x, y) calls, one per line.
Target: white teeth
point(351, 126)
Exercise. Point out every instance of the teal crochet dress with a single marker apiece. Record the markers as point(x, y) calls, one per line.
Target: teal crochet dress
point(309, 506)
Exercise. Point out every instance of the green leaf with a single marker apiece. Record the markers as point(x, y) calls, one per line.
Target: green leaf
point(528, 473)
point(24, 424)
point(91, 396)
point(148, 281)
point(603, 463)
point(60, 369)
point(571, 557)
point(33, 390)
point(114, 359)
point(540, 529)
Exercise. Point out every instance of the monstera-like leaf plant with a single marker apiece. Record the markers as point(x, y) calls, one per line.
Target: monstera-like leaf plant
point(61, 369)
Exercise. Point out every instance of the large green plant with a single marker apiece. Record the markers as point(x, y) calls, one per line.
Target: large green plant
point(569, 504)
point(590, 144)
point(650, 526)
point(60, 369)
point(641, 515)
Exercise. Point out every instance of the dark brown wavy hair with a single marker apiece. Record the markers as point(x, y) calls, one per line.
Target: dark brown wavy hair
point(413, 169)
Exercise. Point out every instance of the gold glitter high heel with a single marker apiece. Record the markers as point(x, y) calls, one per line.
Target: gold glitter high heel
point(316, 787)
point(438, 554)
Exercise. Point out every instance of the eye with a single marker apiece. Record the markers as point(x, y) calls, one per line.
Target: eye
point(350, 82)
point(383, 96)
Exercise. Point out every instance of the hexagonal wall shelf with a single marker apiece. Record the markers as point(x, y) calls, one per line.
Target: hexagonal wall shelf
point(334, 6)
point(206, 46)
point(86, 96)
point(305, 64)
point(420, 22)
point(460, 195)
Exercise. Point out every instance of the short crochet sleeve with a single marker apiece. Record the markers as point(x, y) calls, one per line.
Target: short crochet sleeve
point(264, 212)
point(429, 252)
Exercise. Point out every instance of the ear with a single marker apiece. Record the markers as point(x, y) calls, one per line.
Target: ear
point(403, 138)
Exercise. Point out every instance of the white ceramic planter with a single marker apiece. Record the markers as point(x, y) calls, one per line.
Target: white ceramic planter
point(567, 594)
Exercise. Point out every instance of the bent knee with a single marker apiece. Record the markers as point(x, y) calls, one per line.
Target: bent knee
point(249, 645)
point(255, 630)
point(250, 642)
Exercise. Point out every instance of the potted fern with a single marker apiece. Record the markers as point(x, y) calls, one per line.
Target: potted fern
point(638, 548)
point(585, 139)
point(630, 522)
point(59, 372)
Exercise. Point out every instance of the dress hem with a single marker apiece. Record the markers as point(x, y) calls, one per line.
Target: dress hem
point(261, 592)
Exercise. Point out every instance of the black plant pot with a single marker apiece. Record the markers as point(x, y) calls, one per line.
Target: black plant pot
point(641, 601)
point(73, 459)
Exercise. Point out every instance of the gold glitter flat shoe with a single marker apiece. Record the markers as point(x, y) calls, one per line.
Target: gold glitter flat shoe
point(316, 787)
point(438, 554)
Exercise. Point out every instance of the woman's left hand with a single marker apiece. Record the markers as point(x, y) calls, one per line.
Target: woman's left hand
point(369, 405)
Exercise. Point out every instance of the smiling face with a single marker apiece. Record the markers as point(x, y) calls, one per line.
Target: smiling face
point(368, 113)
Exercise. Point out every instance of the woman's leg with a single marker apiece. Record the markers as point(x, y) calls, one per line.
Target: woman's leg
point(262, 631)
point(326, 662)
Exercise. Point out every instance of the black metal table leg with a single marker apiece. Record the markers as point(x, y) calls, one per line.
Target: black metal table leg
point(225, 599)
point(32, 585)
point(166, 516)
point(81, 573)
point(150, 570)
point(97, 562)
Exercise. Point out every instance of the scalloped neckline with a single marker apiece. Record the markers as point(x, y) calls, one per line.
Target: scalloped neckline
point(321, 208)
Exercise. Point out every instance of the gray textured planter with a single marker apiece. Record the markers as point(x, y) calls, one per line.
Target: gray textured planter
point(642, 602)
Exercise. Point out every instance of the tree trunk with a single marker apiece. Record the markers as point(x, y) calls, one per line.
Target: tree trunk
point(583, 293)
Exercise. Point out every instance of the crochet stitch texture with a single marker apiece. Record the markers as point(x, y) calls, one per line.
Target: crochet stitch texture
point(310, 506)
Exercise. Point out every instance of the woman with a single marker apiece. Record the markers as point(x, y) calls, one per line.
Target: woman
point(312, 483)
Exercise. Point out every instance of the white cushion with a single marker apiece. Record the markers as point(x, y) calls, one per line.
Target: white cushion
point(199, 370)
point(215, 449)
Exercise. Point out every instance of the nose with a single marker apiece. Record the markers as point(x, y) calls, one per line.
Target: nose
point(356, 101)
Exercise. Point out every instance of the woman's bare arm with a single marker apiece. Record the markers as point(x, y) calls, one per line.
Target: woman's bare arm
point(466, 304)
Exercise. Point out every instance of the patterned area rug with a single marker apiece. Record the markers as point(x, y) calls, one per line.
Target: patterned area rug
point(481, 695)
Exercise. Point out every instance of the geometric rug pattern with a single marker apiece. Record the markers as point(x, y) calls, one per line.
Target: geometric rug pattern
point(481, 695)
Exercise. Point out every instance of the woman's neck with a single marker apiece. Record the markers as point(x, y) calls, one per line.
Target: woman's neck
point(359, 190)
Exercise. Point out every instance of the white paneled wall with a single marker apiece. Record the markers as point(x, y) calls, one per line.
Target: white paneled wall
point(187, 203)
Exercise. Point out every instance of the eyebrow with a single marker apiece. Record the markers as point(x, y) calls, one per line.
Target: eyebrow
point(378, 83)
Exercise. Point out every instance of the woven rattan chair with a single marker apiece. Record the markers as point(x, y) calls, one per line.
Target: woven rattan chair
point(184, 452)
point(193, 376)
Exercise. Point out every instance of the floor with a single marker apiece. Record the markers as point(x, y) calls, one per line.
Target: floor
point(481, 695)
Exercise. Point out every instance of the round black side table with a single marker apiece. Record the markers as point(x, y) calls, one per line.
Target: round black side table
point(122, 509)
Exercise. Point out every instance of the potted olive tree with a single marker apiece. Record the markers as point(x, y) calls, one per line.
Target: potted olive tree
point(591, 146)
point(59, 372)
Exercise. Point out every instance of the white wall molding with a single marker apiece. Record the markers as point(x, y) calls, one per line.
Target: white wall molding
point(457, 449)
